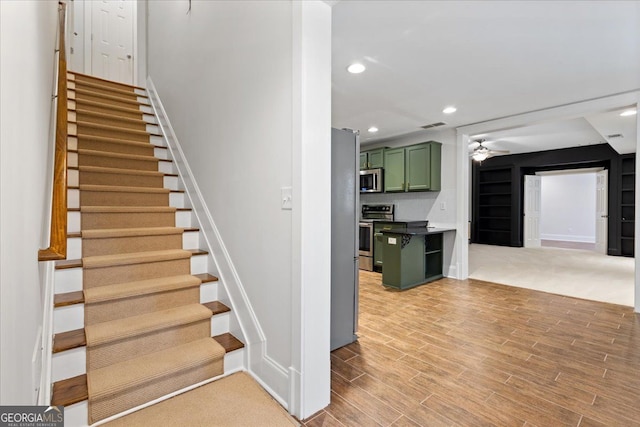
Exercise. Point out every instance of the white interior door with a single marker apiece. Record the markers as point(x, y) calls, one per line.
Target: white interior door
point(602, 211)
point(112, 40)
point(532, 199)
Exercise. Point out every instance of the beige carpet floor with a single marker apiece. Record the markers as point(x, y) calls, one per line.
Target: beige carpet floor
point(237, 400)
point(575, 273)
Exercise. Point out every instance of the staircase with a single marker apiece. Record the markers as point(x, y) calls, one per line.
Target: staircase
point(138, 314)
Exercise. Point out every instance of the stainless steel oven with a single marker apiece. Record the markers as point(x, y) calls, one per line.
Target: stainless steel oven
point(367, 246)
point(365, 250)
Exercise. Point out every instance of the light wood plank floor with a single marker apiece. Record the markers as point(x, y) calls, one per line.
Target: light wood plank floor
point(472, 353)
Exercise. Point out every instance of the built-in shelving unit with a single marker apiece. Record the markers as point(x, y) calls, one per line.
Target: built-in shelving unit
point(627, 204)
point(494, 195)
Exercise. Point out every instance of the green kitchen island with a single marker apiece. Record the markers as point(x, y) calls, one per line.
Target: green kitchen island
point(412, 256)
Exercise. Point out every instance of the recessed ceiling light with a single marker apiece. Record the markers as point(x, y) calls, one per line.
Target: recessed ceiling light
point(356, 68)
point(449, 110)
point(632, 112)
point(373, 129)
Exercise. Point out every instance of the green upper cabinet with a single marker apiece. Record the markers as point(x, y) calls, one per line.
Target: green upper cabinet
point(372, 159)
point(394, 169)
point(364, 160)
point(413, 168)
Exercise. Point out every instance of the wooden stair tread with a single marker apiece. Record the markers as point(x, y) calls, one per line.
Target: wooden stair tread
point(216, 307)
point(69, 391)
point(76, 338)
point(75, 263)
point(68, 298)
point(185, 229)
point(114, 155)
point(229, 342)
point(110, 89)
point(68, 340)
point(113, 117)
point(119, 155)
point(121, 141)
point(114, 128)
point(115, 98)
point(86, 102)
point(119, 171)
point(206, 277)
point(104, 80)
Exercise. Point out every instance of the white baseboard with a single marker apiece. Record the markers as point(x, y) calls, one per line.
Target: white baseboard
point(568, 238)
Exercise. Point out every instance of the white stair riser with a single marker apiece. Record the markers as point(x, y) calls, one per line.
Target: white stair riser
point(233, 361)
point(158, 141)
point(76, 415)
point(140, 91)
point(199, 264)
point(72, 160)
point(183, 219)
point(152, 128)
point(68, 280)
point(73, 178)
point(74, 248)
point(191, 240)
point(171, 182)
point(150, 118)
point(144, 100)
point(220, 324)
point(176, 200)
point(69, 363)
point(73, 198)
point(68, 318)
point(208, 292)
point(165, 167)
point(161, 153)
point(73, 222)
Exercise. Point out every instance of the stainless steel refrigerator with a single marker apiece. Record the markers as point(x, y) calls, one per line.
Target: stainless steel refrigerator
point(345, 202)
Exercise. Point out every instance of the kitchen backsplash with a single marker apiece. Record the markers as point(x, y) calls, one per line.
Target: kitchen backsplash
point(418, 206)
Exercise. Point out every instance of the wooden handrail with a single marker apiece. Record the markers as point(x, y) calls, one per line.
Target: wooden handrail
point(58, 234)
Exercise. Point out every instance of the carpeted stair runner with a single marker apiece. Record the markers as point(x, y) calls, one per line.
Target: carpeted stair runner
point(126, 240)
point(124, 385)
point(147, 334)
point(114, 145)
point(113, 176)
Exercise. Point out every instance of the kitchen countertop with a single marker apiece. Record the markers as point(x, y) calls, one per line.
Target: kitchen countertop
point(417, 231)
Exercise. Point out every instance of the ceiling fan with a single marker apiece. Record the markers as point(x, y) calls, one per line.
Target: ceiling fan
point(481, 152)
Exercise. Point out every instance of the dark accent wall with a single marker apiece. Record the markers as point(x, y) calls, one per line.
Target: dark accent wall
point(530, 163)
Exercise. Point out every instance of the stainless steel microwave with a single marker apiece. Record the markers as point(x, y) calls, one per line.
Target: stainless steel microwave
point(371, 181)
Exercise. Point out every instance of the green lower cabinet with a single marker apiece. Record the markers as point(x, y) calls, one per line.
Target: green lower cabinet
point(411, 260)
point(403, 266)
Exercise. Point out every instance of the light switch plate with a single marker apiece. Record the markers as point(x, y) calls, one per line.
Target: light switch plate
point(285, 198)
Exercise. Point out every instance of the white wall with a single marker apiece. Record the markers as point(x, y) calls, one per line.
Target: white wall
point(27, 38)
point(251, 110)
point(568, 207)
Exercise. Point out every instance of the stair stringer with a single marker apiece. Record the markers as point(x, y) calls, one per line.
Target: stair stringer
point(270, 374)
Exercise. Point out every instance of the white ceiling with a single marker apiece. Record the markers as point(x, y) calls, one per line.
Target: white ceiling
point(490, 59)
